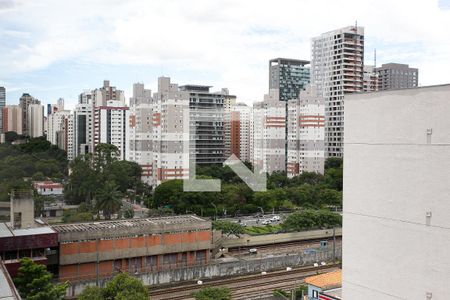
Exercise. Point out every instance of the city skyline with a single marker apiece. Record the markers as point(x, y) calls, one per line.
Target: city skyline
point(230, 47)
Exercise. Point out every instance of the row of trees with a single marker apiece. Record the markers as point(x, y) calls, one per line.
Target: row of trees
point(308, 190)
point(36, 159)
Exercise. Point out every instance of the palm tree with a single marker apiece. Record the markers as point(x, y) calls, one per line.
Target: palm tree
point(108, 199)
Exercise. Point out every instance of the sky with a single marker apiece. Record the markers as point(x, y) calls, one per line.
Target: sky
point(58, 48)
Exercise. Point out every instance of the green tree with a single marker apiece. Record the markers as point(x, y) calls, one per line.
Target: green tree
point(92, 293)
point(311, 219)
point(125, 287)
point(105, 155)
point(83, 180)
point(108, 199)
point(33, 282)
point(210, 293)
point(228, 227)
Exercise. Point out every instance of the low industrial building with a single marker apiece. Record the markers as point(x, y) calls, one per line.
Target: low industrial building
point(99, 249)
point(325, 286)
point(24, 236)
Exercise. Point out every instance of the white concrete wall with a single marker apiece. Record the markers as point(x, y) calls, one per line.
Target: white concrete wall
point(394, 173)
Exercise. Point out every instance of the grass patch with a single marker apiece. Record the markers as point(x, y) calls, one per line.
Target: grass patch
point(260, 230)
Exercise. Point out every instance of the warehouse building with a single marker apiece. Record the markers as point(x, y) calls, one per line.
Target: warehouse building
point(99, 249)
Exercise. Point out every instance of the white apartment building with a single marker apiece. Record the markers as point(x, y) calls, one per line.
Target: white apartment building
point(337, 70)
point(110, 125)
point(35, 120)
point(306, 133)
point(241, 132)
point(396, 195)
point(140, 131)
point(56, 127)
point(12, 118)
point(83, 130)
point(170, 143)
point(269, 123)
point(371, 80)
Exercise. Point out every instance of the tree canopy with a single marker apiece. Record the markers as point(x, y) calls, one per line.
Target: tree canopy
point(308, 190)
point(33, 282)
point(36, 159)
point(101, 180)
point(121, 287)
point(211, 293)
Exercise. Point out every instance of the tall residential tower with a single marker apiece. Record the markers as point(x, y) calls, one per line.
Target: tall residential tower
point(337, 70)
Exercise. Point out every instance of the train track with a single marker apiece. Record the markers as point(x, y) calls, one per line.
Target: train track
point(280, 247)
point(244, 286)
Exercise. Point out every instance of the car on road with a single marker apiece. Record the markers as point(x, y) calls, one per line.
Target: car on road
point(266, 222)
point(253, 251)
point(275, 219)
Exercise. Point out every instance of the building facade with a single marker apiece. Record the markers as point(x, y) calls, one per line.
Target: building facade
point(57, 128)
point(35, 120)
point(140, 131)
point(12, 118)
point(306, 133)
point(2, 105)
point(81, 130)
point(288, 76)
point(337, 70)
point(25, 101)
point(371, 80)
point(110, 124)
point(96, 250)
point(396, 225)
point(269, 123)
point(395, 76)
point(241, 132)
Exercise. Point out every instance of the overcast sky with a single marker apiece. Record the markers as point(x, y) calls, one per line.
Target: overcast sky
point(57, 48)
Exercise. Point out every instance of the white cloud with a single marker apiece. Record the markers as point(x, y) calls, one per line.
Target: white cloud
point(230, 40)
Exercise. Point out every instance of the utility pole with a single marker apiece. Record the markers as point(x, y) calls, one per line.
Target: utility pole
point(334, 244)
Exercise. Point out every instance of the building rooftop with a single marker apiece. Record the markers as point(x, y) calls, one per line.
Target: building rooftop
point(7, 231)
point(127, 224)
point(195, 88)
point(7, 289)
point(326, 281)
point(300, 62)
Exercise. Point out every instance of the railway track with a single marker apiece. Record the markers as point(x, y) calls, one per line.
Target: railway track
point(311, 242)
point(243, 287)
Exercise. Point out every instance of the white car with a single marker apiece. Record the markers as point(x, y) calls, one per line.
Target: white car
point(275, 218)
point(265, 222)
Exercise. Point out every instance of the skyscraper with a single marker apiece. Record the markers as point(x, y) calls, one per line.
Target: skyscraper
point(394, 76)
point(288, 76)
point(337, 70)
point(306, 133)
point(139, 133)
point(2, 105)
point(269, 143)
point(12, 118)
point(25, 101)
point(35, 120)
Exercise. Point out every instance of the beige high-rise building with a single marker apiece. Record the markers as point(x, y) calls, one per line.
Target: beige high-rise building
point(241, 132)
point(24, 102)
point(337, 70)
point(140, 131)
point(306, 133)
point(269, 124)
point(170, 153)
point(12, 118)
point(35, 120)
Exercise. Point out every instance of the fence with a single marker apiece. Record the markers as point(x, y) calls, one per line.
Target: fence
point(223, 269)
